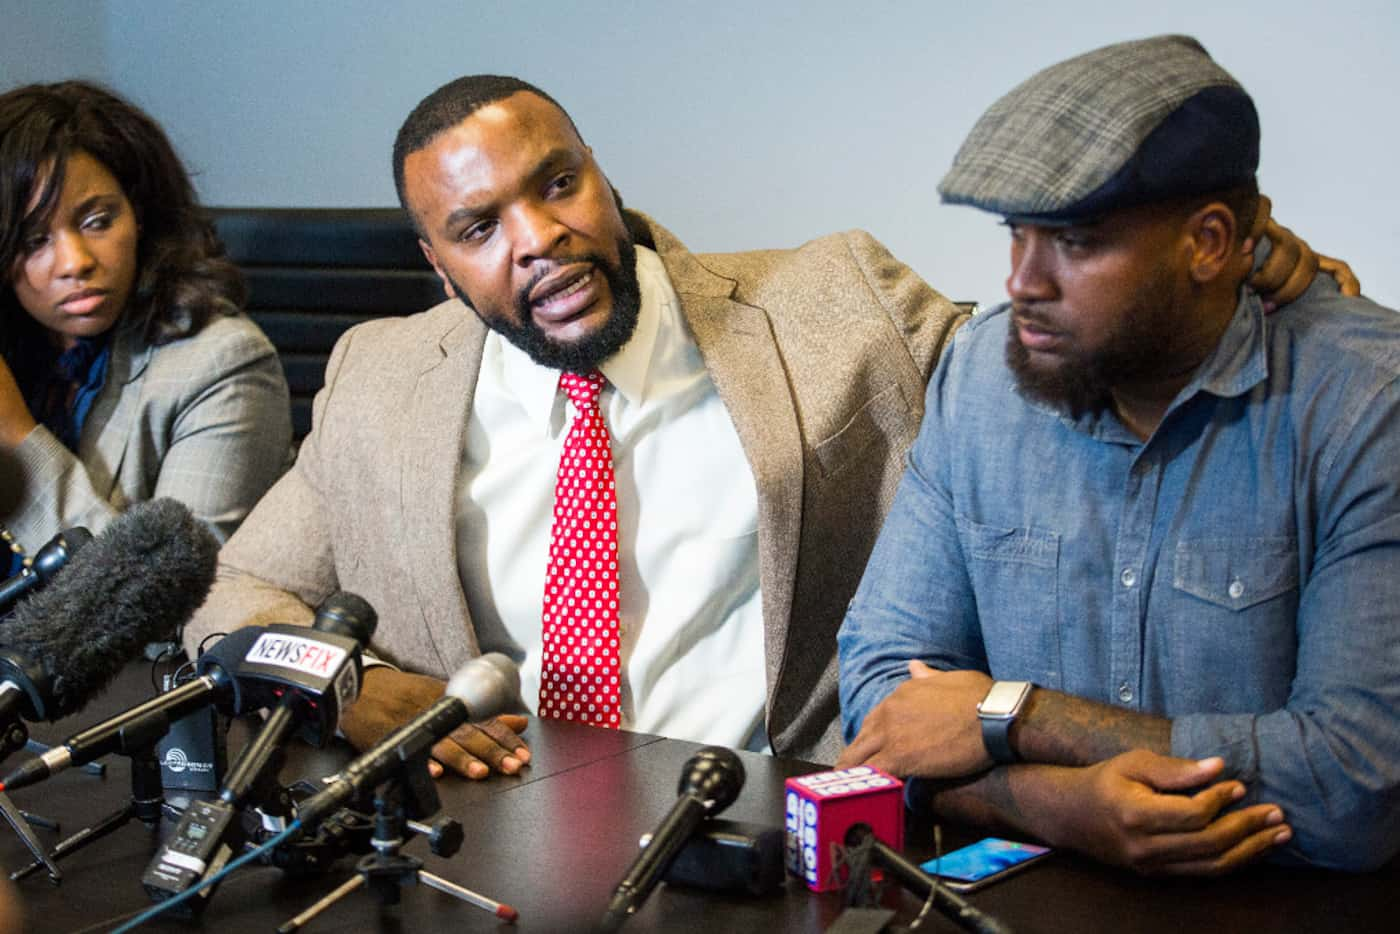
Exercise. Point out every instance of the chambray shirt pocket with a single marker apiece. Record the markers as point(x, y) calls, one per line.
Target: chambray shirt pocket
point(1237, 592)
point(1236, 573)
point(1015, 574)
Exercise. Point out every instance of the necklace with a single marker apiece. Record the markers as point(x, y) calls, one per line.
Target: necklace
point(14, 547)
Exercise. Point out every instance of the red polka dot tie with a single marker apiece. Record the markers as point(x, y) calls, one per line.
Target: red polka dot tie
point(580, 676)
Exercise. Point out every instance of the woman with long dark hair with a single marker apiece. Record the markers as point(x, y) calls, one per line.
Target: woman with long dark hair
point(127, 370)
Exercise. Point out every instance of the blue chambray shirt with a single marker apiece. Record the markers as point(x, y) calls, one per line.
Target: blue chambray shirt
point(1238, 572)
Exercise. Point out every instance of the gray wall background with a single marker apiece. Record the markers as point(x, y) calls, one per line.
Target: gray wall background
point(737, 125)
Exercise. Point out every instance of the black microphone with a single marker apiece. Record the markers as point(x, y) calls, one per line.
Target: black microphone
point(307, 676)
point(481, 689)
point(709, 783)
point(951, 905)
point(216, 684)
point(225, 679)
point(48, 561)
point(144, 575)
point(319, 678)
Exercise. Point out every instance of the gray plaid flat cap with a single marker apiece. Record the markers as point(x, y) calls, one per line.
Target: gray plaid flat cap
point(1126, 124)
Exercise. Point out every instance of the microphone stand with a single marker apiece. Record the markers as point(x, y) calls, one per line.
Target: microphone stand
point(863, 852)
point(38, 820)
point(410, 792)
point(14, 735)
point(138, 741)
point(18, 821)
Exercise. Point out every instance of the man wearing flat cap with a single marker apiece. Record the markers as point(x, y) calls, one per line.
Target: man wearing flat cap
point(1138, 591)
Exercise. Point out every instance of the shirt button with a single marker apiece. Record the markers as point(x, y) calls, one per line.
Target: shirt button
point(1125, 693)
point(1128, 577)
point(1236, 589)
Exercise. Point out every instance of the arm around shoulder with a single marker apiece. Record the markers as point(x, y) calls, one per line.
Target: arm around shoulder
point(924, 318)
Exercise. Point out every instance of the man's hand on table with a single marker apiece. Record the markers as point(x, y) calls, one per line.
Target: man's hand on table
point(390, 698)
point(1153, 813)
point(1139, 810)
point(927, 726)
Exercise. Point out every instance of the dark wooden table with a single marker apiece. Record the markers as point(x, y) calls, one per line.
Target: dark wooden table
point(555, 840)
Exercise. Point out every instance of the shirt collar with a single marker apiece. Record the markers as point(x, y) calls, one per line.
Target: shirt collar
point(627, 371)
point(1240, 360)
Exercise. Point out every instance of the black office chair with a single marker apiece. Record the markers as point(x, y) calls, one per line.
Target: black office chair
point(314, 272)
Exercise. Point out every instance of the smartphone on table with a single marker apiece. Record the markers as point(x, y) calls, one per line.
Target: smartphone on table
point(984, 862)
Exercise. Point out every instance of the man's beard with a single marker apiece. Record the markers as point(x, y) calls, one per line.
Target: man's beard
point(1139, 348)
point(586, 353)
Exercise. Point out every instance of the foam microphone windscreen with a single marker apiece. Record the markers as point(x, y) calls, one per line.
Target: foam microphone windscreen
point(135, 583)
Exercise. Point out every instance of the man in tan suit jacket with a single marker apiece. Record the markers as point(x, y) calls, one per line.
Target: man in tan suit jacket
point(820, 356)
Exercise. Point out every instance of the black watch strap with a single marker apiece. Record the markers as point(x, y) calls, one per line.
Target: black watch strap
point(996, 736)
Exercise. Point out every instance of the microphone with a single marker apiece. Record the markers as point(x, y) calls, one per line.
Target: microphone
point(951, 905)
point(709, 783)
point(225, 679)
point(315, 680)
point(306, 676)
point(481, 689)
point(48, 561)
point(143, 576)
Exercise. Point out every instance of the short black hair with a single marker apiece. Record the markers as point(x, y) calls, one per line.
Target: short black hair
point(183, 278)
point(448, 106)
point(1242, 200)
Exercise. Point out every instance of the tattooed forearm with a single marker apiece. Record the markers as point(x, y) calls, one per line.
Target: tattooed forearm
point(985, 800)
point(1060, 729)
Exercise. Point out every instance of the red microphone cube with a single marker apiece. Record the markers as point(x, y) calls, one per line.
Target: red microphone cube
point(820, 809)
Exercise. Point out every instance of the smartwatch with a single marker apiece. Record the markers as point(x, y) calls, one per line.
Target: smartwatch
point(997, 712)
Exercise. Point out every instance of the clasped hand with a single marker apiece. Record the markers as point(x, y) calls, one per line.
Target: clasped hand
point(1152, 813)
point(927, 726)
point(390, 698)
point(1159, 815)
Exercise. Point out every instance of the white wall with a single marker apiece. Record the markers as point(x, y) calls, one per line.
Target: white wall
point(744, 125)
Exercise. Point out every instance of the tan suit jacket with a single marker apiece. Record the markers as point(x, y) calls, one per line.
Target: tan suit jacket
point(820, 354)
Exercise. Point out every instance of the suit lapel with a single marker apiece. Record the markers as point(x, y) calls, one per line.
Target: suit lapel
point(741, 355)
point(439, 409)
point(108, 431)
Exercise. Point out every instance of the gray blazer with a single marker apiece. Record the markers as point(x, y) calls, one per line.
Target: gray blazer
point(820, 354)
point(204, 420)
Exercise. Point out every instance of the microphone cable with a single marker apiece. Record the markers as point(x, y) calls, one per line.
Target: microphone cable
point(216, 878)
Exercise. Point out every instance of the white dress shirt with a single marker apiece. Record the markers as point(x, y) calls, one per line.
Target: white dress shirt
point(691, 613)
